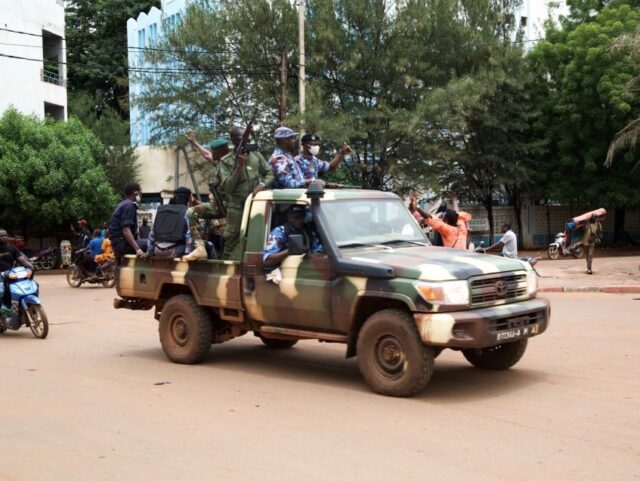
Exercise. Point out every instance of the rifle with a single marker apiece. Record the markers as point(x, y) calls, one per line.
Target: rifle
point(244, 147)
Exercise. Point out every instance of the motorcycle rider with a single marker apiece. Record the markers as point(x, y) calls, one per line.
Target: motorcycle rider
point(8, 256)
point(508, 243)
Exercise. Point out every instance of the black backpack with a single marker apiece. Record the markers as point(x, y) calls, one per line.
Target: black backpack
point(169, 223)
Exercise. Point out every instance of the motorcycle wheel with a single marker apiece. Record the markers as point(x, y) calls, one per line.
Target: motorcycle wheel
point(109, 282)
point(74, 278)
point(578, 251)
point(37, 320)
point(553, 252)
point(48, 263)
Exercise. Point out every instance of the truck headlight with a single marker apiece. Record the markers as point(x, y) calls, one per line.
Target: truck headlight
point(449, 292)
point(532, 283)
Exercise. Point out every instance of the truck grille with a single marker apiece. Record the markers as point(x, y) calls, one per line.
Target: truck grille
point(491, 289)
point(525, 320)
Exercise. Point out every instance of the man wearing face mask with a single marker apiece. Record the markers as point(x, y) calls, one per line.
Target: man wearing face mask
point(312, 167)
point(123, 226)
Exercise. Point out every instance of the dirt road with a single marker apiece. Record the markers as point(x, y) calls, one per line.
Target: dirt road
point(98, 400)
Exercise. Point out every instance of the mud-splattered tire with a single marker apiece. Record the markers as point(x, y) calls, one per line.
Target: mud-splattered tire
point(499, 357)
point(185, 330)
point(278, 343)
point(391, 356)
point(553, 252)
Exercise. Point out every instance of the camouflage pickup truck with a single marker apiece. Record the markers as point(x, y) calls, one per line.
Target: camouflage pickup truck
point(381, 289)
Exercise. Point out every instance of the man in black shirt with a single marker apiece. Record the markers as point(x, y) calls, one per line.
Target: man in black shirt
point(8, 256)
point(123, 226)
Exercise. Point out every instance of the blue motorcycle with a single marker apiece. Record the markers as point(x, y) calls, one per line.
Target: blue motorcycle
point(26, 308)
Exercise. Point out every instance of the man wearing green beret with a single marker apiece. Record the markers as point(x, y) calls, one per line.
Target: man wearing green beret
point(207, 210)
point(247, 175)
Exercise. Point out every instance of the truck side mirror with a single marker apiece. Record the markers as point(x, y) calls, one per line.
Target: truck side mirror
point(296, 245)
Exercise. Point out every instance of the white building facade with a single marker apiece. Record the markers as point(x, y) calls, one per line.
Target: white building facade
point(33, 57)
point(532, 14)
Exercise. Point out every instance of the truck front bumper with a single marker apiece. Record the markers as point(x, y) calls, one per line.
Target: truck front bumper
point(479, 328)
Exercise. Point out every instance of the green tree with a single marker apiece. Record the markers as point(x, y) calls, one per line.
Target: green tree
point(49, 175)
point(627, 138)
point(581, 91)
point(118, 159)
point(370, 63)
point(96, 40)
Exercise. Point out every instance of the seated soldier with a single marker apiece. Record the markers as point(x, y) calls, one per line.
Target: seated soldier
point(170, 231)
point(277, 250)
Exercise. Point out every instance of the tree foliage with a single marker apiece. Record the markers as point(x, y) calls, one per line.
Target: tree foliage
point(49, 174)
point(96, 40)
point(371, 64)
point(118, 159)
point(581, 91)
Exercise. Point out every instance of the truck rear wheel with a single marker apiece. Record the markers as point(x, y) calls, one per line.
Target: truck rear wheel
point(499, 357)
point(185, 330)
point(391, 356)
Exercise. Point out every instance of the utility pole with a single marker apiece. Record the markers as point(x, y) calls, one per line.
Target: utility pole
point(301, 74)
point(283, 86)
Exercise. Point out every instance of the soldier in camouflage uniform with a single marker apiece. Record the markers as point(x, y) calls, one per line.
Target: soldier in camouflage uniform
point(207, 210)
point(238, 179)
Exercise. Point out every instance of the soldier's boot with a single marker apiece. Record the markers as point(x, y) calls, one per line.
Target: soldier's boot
point(198, 253)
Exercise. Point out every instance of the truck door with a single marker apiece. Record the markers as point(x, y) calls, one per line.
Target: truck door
point(303, 297)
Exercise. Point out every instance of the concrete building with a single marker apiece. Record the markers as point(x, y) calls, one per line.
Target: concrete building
point(532, 14)
point(33, 57)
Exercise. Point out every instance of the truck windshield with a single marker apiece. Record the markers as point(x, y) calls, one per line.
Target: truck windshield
point(361, 222)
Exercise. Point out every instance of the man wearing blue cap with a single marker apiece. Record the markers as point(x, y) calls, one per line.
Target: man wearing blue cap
point(287, 172)
point(207, 210)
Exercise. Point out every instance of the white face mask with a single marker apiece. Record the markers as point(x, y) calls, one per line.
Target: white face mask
point(314, 149)
point(138, 198)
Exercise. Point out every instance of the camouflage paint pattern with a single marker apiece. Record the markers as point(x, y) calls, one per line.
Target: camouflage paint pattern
point(206, 210)
point(312, 298)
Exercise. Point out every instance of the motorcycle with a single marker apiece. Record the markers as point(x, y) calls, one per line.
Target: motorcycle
point(26, 308)
point(561, 247)
point(44, 259)
point(104, 274)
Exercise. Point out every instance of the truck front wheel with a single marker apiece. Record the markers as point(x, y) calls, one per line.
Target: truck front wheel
point(185, 330)
point(499, 357)
point(391, 356)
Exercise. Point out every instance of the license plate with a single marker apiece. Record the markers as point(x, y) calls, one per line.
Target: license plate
point(512, 334)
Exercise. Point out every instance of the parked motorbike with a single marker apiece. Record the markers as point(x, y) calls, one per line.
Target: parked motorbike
point(77, 275)
point(26, 308)
point(44, 259)
point(561, 247)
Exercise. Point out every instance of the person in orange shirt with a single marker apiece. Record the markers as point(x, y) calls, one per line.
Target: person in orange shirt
point(452, 228)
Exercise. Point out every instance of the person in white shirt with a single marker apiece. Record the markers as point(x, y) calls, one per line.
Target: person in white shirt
point(508, 242)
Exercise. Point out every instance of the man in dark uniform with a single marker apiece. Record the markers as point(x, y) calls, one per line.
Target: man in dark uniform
point(123, 226)
point(277, 248)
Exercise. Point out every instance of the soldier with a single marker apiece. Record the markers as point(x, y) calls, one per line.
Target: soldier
point(206, 210)
point(298, 172)
point(276, 249)
point(123, 226)
point(238, 179)
point(312, 167)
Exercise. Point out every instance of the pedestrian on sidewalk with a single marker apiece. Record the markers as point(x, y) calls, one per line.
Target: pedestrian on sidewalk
point(591, 237)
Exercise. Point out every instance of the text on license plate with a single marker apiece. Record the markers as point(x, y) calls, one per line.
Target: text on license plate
point(519, 332)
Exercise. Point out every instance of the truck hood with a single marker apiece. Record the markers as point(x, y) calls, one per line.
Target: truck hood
point(434, 263)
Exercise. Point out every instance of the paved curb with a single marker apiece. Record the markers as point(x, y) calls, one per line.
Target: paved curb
point(608, 290)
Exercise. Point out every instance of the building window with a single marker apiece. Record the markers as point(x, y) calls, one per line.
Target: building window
point(53, 110)
point(53, 59)
point(523, 22)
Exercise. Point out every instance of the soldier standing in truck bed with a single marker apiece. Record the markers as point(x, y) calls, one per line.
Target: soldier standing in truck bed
point(206, 210)
point(247, 175)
